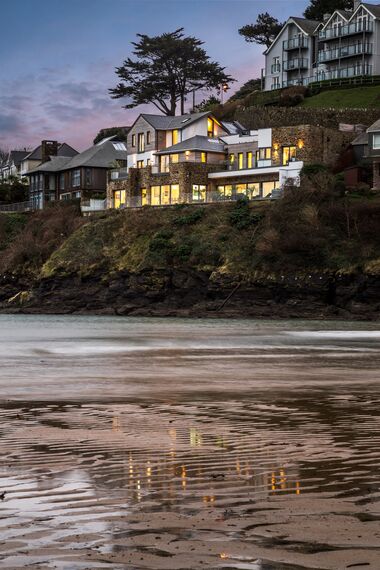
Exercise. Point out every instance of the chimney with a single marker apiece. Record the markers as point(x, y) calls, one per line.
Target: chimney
point(326, 17)
point(49, 148)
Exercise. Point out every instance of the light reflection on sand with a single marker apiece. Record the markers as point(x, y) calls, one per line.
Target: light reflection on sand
point(258, 449)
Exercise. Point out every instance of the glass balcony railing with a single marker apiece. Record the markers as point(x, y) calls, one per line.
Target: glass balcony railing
point(344, 51)
point(344, 72)
point(298, 42)
point(347, 30)
point(296, 63)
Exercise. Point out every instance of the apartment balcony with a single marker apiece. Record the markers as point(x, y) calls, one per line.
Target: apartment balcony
point(275, 68)
point(298, 42)
point(344, 51)
point(296, 63)
point(347, 30)
point(298, 81)
point(344, 72)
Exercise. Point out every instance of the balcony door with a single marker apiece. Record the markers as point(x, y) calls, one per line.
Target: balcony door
point(288, 154)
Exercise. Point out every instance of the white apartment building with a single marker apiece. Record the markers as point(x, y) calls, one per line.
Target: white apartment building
point(345, 45)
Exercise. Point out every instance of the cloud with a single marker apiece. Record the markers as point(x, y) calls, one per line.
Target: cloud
point(8, 124)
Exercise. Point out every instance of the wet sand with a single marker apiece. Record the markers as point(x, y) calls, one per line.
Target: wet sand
point(169, 444)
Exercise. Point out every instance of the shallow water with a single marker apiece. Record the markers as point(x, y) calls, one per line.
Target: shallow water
point(169, 443)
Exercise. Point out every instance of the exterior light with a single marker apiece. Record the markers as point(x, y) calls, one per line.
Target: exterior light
point(275, 146)
point(300, 144)
point(225, 87)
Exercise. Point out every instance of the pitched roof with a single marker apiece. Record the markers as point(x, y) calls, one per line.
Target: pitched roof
point(344, 13)
point(374, 9)
point(63, 150)
point(307, 26)
point(164, 122)
point(375, 127)
point(198, 142)
point(101, 156)
point(361, 139)
point(54, 164)
point(17, 156)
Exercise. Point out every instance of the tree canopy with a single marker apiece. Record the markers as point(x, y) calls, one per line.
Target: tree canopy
point(263, 31)
point(165, 70)
point(246, 89)
point(317, 8)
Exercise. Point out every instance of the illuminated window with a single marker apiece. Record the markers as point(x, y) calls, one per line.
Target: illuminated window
point(165, 195)
point(249, 160)
point(175, 136)
point(203, 156)
point(267, 188)
point(232, 159)
point(199, 193)
point(174, 199)
point(140, 164)
point(164, 163)
point(144, 197)
point(155, 195)
point(117, 199)
point(174, 158)
point(264, 153)
point(210, 127)
point(141, 142)
point(288, 153)
point(253, 190)
point(241, 160)
point(133, 140)
point(187, 155)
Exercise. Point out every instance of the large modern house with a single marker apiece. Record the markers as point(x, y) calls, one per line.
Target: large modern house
point(344, 45)
point(197, 158)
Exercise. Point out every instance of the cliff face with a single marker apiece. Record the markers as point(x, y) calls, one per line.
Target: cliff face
point(313, 254)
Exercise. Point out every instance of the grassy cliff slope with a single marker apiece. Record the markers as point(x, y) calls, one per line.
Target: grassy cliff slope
point(315, 252)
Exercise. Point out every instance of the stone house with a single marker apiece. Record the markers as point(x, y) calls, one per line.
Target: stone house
point(254, 164)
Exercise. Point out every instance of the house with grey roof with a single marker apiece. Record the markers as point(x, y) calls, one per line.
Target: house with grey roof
point(42, 152)
point(11, 165)
point(82, 176)
point(346, 44)
point(291, 58)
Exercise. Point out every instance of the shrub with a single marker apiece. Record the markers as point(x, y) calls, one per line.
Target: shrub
point(192, 217)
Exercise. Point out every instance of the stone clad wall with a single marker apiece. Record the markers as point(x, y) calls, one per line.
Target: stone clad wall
point(314, 144)
point(183, 173)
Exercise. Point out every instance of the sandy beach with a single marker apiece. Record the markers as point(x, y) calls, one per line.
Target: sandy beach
point(188, 444)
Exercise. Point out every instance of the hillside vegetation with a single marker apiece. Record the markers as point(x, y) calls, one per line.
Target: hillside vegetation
point(314, 252)
point(355, 98)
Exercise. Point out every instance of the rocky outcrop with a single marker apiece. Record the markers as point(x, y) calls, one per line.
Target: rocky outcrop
point(186, 292)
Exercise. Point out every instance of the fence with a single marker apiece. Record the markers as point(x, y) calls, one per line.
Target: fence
point(18, 207)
